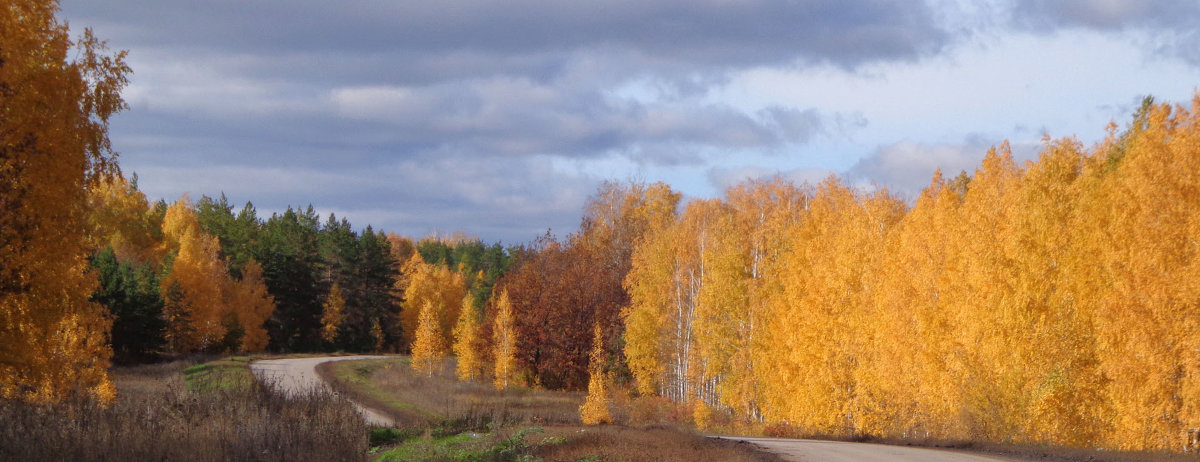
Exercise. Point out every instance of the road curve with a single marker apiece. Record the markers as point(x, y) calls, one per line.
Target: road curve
point(838, 451)
point(299, 375)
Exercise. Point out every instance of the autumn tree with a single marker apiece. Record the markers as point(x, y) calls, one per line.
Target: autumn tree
point(54, 144)
point(434, 284)
point(594, 409)
point(199, 274)
point(331, 315)
point(504, 343)
point(121, 218)
point(250, 306)
point(563, 289)
point(466, 340)
point(429, 346)
point(664, 283)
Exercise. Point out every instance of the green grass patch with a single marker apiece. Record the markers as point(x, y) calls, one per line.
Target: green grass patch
point(472, 447)
point(222, 374)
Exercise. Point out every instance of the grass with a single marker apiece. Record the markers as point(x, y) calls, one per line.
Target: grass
point(231, 372)
point(210, 415)
point(441, 418)
point(391, 386)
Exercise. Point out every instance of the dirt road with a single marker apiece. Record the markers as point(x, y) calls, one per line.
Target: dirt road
point(297, 375)
point(837, 451)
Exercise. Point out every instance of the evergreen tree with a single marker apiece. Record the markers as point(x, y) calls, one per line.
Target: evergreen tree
point(131, 294)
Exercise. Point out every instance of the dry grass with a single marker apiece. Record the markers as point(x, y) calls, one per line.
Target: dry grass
point(156, 417)
point(657, 443)
point(436, 412)
point(412, 399)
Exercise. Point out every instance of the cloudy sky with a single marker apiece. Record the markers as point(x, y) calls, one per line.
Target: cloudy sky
point(500, 118)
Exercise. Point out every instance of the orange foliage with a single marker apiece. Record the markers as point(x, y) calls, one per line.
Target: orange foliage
point(53, 145)
point(1051, 302)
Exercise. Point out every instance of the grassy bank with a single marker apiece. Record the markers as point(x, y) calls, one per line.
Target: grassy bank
point(441, 418)
point(182, 411)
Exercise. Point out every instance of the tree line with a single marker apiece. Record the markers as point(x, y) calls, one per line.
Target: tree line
point(1051, 301)
point(198, 277)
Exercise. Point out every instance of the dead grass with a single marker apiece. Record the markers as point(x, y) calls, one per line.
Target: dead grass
point(436, 412)
point(658, 443)
point(156, 417)
point(390, 385)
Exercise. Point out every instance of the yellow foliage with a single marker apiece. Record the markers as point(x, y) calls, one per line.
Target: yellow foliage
point(436, 284)
point(120, 217)
point(53, 145)
point(332, 313)
point(252, 305)
point(466, 336)
point(504, 343)
point(428, 348)
point(1052, 302)
point(594, 410)
point(701, 414)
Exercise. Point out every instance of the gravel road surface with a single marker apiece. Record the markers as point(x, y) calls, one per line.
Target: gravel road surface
point(298, 375)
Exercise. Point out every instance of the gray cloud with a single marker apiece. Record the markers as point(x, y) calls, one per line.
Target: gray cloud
point(690, 33)
point(440, 115)
point(501, 199)
point(1170, 25)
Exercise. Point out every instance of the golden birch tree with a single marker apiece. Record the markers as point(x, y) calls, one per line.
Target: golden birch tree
point(332, 314)
point(504, 343)
point(428, 347)
point(54, 144)
point(594, 410)
point(466, 337)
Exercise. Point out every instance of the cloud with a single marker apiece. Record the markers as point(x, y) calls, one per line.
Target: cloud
point(906, 168)
point(453, 114)
point(724, 178)
point(1169, 26)
point(713, 33)
point(502, 199)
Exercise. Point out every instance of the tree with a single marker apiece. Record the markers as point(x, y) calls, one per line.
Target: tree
point(466, 338)
point(54, 144)
point(293, 271)
point(437, 285)
point(201, 278)
point(120, 218)
point(131, 294)
point(428, 347)
point(563, 289)
point(331, 314)
point(251, 306)
point(504, 342)
point(594, 410)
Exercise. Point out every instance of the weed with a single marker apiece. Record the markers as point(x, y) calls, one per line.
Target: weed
point(158, 417)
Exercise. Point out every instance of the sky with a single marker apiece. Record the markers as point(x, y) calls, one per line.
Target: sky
point(499, 119)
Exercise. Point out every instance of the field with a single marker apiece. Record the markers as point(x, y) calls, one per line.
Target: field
point(441, 418)
point(186, 411)
point(214, 410)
